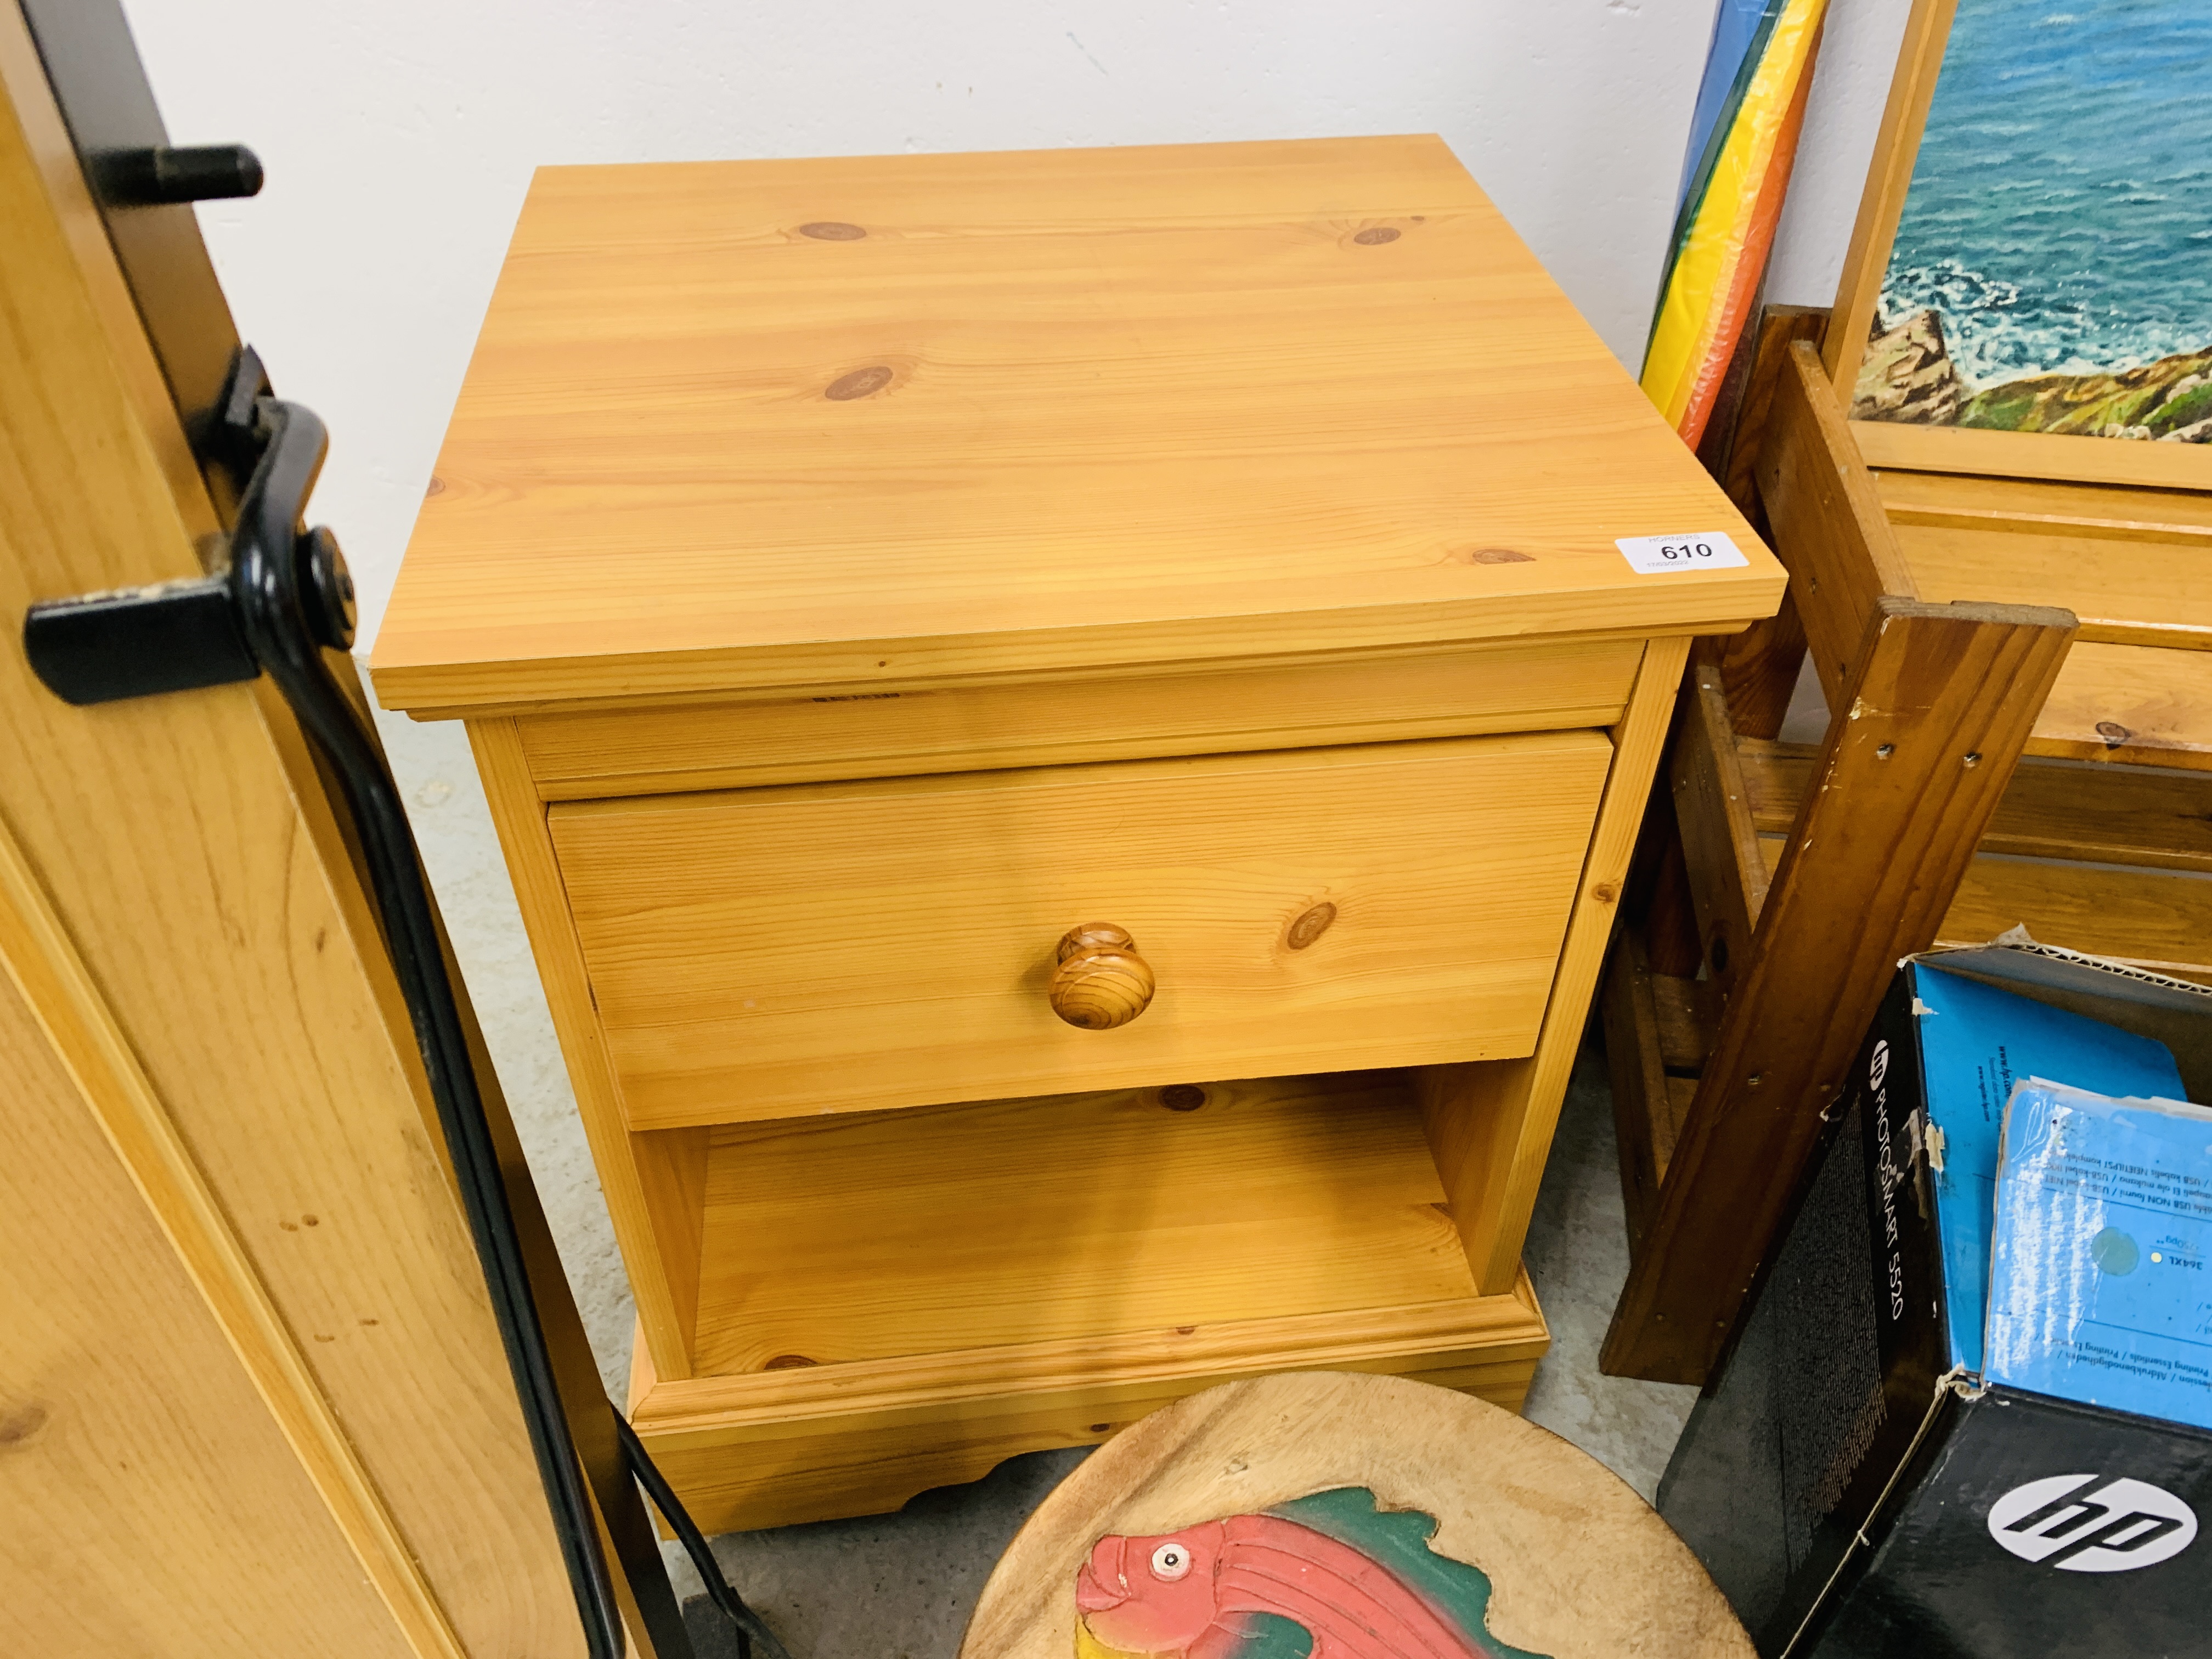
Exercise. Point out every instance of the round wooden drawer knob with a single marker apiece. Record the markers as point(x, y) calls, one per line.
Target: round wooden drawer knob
point(1101, 983)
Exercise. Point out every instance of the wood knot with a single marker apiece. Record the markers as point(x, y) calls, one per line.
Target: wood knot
point(1605, 892)
point(860, 383)
point(1182, 1097)
point(1102, 1428)
point(1310, 926)
point(832, 230)
point(1377, 235)
point(21, 1424)
point(1495, 555)
point(789, 1362)
point(2113, 733)
point(437, 487)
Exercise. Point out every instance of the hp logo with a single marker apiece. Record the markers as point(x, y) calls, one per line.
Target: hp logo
point(2083, 1523)
point(1878, 1067)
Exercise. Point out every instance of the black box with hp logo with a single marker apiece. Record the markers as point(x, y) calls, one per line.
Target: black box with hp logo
point(1846, 1478)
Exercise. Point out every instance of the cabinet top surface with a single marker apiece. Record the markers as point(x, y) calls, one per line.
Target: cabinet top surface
point(740, 425)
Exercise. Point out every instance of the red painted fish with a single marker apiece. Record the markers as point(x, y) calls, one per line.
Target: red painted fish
point(1193, 1593)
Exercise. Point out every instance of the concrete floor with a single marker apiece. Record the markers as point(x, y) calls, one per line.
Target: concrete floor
point(900, 1586)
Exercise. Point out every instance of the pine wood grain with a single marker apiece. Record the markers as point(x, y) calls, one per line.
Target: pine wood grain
point(866, 1236)
point(192, 862)
point(2129, 705)
point(2135, 565)
point(124, 1414)
point(1780, 327)
point(842, 616)
point(2050, 810)
point(1489, 1127)
point(1934, 685)
point(2146, 918)
point(1516, 686)
point(736, 943)
point(43, 963)
point(1712, 808)
point(653, 1184)
point(1827, 512)
point(1644, 1131)
point(1659, 1031)
point(1143, 404)
point(1759, 669)
point(1579, 1567)
point(2058, 457)
point(2155, 921)
point(2109, 512)
point(805, 1442)
point(1759, 666)
point(735, 1483)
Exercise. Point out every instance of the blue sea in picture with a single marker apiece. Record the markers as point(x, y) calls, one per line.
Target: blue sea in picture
point(2060, 216)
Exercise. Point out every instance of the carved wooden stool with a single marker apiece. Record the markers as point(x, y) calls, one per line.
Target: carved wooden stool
point(1346, 1516)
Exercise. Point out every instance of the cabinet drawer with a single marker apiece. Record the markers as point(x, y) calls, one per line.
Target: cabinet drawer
point(838, 947)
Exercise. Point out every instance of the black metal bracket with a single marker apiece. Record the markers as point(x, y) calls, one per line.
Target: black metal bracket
point(184, 634)
point(284, 597)
point(138, 642)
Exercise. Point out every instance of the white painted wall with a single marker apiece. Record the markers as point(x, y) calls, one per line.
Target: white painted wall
point(1858, 57)
point(400, 136)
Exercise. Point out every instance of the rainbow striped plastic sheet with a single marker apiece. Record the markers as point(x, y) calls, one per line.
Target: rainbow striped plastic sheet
point(1743, 138)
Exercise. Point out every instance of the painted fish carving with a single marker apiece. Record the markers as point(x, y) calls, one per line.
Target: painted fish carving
point(1193, 1593)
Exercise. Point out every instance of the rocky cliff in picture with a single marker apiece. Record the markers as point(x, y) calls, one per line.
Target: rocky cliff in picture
point(1908, 374)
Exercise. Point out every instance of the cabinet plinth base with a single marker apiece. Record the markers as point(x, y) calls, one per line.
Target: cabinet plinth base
point(812, 1443)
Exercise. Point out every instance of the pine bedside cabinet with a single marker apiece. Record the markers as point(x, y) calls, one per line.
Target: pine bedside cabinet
point(1068, 727)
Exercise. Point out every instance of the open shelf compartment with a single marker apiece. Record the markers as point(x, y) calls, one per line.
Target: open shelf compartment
point(891, 1301)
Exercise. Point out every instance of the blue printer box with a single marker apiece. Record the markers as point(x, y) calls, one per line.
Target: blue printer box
point(1847, 1476)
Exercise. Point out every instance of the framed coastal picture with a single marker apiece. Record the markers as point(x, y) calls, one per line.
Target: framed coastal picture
point(2033, 260)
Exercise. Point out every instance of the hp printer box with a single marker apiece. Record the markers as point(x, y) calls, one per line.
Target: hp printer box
point(1846, 1476)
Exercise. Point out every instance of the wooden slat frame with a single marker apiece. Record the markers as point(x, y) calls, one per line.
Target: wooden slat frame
point(1780, 328)
point(1638, 1071)
point(1712, 807)
point(1830, 528)
point(2051, 809)
point(2059, 457)
point(1932, 723)
point(1759, 667)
